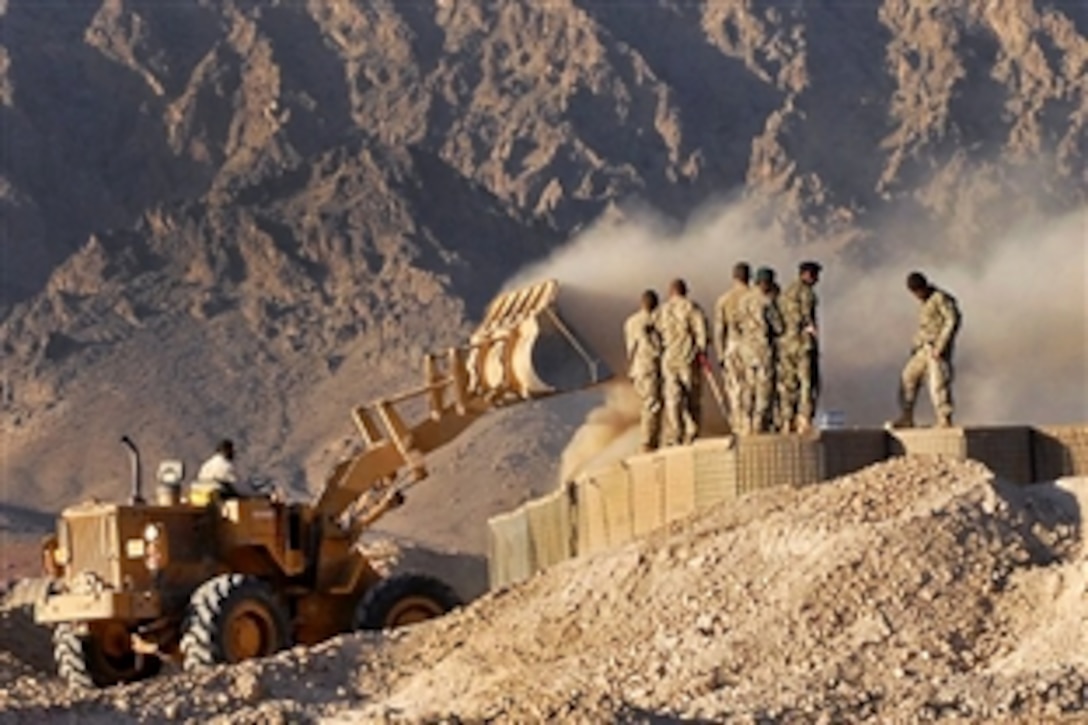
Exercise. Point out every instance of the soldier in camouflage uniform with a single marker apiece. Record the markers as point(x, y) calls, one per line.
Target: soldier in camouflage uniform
point(798, 355)
point(684, 331)
point(931, 353)
point(727, 344)
point(760, 326)
point(644, 347)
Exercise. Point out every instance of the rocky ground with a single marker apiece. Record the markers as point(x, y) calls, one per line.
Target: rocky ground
point(914, 590)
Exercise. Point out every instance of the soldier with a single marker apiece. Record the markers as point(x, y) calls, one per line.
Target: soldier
point(727, 342)
point(931, 353)
point(798, 353)
point(761, 325)
point(684, 332)
point(644, 346)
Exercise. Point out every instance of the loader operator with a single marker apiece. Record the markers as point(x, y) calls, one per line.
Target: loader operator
point(930, 354)
point(727, 344)
point(798, 354)
point(218, 476)
point(684, 332)
point(642, 339)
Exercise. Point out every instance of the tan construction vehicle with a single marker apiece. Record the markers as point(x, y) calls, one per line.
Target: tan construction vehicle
point(226, 579)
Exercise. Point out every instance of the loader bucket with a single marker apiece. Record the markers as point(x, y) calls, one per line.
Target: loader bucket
point(524, 346)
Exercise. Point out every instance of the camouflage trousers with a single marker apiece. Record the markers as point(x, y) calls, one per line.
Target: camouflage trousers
point(798, 385)
point(937, 372)
point(737, 392)
point(760, 381)
point(683, 392)
point(648, 389)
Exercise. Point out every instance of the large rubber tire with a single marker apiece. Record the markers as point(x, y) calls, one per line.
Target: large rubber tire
point(231, 618)
point(404, 599)
point(82, 662)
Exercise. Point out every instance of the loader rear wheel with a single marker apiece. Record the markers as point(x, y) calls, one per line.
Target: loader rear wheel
point(233, 618)
point(101, 658)
point(404, 599)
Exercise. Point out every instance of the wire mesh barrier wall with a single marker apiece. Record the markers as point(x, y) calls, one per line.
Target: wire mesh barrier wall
point(1058, 451)
point(618, 503)
point(1006, 451)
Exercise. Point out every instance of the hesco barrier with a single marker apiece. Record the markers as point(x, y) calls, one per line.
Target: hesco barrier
point(615, 504)
point(1059, 451)
point(1006, 451)
point(509, 550)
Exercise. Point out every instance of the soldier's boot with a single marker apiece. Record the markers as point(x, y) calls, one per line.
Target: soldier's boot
point(801, 424)
point(905, 420)
point(944, 421)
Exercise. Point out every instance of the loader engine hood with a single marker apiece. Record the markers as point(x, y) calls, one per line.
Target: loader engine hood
point(101, 546)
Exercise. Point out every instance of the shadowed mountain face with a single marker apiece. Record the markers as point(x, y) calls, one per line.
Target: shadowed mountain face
point(239, 218)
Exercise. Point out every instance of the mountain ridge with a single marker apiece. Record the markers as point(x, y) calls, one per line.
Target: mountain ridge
point(212, 211)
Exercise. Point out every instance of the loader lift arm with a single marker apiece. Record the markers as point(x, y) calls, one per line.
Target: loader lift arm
point(523, 350)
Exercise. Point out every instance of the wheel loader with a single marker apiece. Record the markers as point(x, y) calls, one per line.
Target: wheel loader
point(199, 578)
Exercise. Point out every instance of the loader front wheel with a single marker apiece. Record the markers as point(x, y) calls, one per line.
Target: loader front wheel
point(404, 599)
point(100, 658)
point(233, 618)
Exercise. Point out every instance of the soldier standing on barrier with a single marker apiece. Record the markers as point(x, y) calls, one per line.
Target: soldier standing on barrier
point(684, 331)
point(727, 343)
point(931, 353)
point(798, 353)
point(761, 325)
point(644, 346)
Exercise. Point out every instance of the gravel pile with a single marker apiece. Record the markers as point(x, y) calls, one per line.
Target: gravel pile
point(913, 590)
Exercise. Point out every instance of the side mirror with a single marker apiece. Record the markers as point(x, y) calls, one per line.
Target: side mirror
point(170, 473)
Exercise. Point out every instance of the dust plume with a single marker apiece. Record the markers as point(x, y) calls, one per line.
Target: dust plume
point(1021, 357)
point(603, 437)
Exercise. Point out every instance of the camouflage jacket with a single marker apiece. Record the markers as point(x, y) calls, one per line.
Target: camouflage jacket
point(643, 343)
point(683, 330)
point(938, 323)
point(798, 306)
point(727, 317)
point(761, 321)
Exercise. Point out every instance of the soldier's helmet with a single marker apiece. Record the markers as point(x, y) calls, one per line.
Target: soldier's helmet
point(764, 275)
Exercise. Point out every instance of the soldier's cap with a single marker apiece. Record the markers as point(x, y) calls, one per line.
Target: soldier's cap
point(810, 266)
point(764, 274)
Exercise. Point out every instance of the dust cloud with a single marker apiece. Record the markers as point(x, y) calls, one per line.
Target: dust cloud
point(1021, 357)
point(610, 432)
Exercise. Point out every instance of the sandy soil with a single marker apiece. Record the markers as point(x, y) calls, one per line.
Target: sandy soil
point(911, 591)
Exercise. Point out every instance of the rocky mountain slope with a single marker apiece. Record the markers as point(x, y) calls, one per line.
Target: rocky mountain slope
point(238, 218)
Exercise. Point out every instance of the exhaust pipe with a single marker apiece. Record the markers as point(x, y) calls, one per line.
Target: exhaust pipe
point(134, 456)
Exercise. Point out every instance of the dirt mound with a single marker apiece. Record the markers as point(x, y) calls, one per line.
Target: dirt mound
point(905, 591)
point(226, 218)
point(26, 650)
point(915, 589)
point(23, 645)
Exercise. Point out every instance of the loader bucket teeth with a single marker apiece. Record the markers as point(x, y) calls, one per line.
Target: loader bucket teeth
point(525, 347)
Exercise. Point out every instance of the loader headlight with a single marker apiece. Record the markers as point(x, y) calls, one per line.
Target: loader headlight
point(156, 551)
